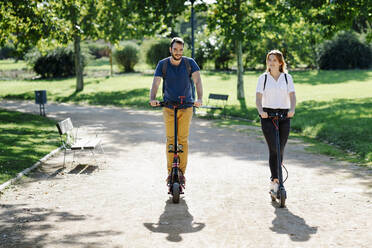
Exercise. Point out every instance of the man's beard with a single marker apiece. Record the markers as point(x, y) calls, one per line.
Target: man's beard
point(175, 58)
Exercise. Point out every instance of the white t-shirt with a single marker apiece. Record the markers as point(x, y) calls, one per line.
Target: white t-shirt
point(276, 93)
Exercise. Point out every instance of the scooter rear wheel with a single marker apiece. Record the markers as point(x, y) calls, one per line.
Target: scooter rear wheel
point(176, 192)
point(283, 197)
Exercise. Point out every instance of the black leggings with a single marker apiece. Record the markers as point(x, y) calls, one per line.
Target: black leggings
point(268, 130)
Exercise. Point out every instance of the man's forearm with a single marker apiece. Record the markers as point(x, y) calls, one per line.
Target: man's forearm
point(199, 90)
point(154, 88)
point(199, 86)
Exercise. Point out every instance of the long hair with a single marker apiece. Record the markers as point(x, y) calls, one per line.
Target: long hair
point(278, 54)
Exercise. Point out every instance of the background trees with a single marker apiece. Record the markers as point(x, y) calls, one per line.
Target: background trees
point(27, 22)
point(240, 29)
point(237, 21)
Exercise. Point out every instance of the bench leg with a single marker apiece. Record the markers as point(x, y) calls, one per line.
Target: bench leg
point(94, 157)
point(64, 159)
point(102, 151)
point(73, 158)
point(100, 145)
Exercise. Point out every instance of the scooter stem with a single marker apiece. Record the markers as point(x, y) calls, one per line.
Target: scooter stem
point(175, 130)
point(280, 174)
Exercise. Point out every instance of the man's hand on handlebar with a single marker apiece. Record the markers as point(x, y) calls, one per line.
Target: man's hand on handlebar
point(198, 103)
point(154, 103)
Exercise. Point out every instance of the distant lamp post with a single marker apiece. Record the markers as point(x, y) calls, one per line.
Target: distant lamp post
point(192, 29)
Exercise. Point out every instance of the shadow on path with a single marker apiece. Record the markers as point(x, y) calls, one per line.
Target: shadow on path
point(24, 226)
point(286, 222)
point(174, 221)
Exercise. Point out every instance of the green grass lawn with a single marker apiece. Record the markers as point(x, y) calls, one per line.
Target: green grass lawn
point(10, 64)
point(24, 139)
point(333, 106)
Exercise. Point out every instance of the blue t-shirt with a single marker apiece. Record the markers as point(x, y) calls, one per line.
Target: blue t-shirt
point(177, 81)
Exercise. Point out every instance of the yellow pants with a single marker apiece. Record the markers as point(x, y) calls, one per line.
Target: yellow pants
point(184, 117)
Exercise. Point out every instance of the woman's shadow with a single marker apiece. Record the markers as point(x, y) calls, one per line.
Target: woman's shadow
point(286, 222)
point(174, 221)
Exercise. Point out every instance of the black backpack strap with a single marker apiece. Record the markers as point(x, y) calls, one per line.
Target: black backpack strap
point(265, 82)
point(188, 66)
point(286, 80)
point(164, 68)
point(164, 71)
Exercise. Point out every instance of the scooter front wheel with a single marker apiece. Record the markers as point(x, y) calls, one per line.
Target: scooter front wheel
point(176, 192)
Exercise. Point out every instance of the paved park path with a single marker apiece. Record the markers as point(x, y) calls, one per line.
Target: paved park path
point(123, 202)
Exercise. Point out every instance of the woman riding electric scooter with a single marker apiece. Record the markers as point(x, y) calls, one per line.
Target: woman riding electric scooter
point(276, 102)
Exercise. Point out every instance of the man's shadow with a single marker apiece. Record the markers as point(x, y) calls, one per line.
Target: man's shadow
point(287, 223)
point(174, 221)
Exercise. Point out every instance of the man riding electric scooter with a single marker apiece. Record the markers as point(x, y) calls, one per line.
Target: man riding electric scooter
point(179, 76)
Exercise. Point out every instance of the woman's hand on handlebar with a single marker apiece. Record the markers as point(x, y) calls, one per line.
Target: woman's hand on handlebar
point(290, 114)
point(154, 103)
point(198, 103)
point(264, 115)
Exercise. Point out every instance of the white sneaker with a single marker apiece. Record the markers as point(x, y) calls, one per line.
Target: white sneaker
point(274, 187)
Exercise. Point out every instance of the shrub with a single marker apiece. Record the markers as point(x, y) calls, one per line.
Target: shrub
point(7, 51)
point(157, 51)
point(58, 62)
point(344, 51)
point(203, 53)
point(127, 56)
point(222, 57)
point(98, 50)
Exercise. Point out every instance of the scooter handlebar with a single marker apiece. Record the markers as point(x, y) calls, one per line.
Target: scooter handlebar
point(280, 116)
point(176, 104)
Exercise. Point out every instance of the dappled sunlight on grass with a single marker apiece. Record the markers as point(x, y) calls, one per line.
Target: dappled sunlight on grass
point(343, 122)
point(317, 77)
point(24, 139)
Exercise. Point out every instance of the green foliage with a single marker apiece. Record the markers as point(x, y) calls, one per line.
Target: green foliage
point(58, 62)
point(22, 24)
point(157, 51)
point(336, 15)
point(157, 16)
point(127, 56)
point(344, 51)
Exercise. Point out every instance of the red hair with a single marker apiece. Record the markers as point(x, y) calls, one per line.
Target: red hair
point(279, 56)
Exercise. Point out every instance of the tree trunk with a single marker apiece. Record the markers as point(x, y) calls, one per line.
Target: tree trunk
point(239, 54)
point(78, 64)
point(110, 55)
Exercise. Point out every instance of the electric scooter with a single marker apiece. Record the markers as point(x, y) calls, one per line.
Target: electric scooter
point(176, 181)
point(281, 194)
